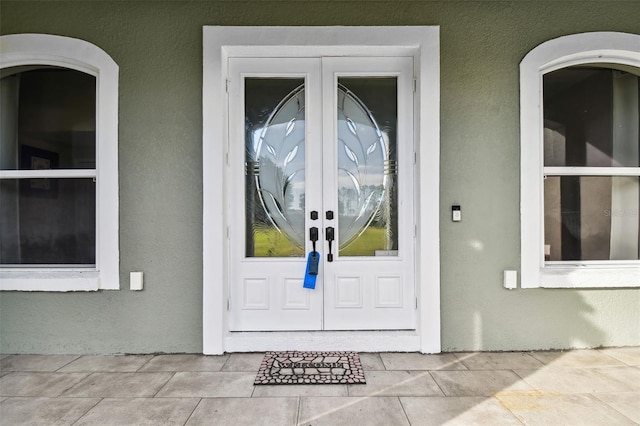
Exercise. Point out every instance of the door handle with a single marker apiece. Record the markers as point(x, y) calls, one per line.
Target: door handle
point(313, 236)
point(329, 236)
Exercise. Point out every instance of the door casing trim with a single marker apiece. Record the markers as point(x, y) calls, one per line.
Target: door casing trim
point(421, 42)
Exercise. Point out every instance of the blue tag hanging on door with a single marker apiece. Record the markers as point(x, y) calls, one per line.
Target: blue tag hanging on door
point(313, 261)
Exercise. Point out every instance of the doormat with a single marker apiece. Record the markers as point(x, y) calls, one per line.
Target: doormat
point(310, 368)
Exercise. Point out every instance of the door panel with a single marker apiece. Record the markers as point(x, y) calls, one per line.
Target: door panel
point(273, 132)
point(332, 136)
point(369, 181)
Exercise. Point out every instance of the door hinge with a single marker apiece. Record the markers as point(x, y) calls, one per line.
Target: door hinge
point(415, 231)
point(415, 158)
point(228, 233)
point(416, 303)
point(228, 304)
point(227, 83)
point(415, 85)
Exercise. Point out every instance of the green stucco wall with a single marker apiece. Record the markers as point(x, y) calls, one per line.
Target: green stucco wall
point(158, 46)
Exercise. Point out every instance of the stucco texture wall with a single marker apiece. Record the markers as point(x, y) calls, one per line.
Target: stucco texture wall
point(158, 46)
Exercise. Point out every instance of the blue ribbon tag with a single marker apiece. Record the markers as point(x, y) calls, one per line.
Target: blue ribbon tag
point(312, 270)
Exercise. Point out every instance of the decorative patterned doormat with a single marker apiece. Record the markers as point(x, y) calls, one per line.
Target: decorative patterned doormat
point(306, 368)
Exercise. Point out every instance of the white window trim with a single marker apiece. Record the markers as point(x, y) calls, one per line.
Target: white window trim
point(420, 42)
point(596, 47)
point(43, 49)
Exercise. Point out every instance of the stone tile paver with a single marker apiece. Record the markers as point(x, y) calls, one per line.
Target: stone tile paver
point(416, 361)
point(576, 359)
point(627, 403)
point(371, 361)
point(208, 385)
point(35, 363)
point(243, 362)
point(106, 363)
point(578, 380)
point(457, 411)
point(396, 383)
point(188, 362)
point(119, 385)
point(38, 384)
point(499, 360)
point(628, 378)
point(630, 356)
point(300, 390)
point(140, 411)
point(245, 412)
point(44, 411)
point(332, 411)
point(549, 409)
point(477, 382)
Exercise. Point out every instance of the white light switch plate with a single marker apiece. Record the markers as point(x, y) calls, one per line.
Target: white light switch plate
point(135, 280)
point(510, 279)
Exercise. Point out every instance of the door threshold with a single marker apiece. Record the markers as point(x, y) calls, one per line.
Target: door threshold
point(359, 341)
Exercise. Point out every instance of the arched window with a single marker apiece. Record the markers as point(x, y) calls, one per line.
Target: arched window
point(580, 162)
point(58, 165)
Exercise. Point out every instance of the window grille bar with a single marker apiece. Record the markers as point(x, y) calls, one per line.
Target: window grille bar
point(591, 171)
point(48, 173)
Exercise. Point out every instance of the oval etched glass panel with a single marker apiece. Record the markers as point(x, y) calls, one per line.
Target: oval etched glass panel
point(367, 166)
point(274, 167)
point(275, 172)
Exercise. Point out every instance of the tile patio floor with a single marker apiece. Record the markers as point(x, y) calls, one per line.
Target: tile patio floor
point(584, 387)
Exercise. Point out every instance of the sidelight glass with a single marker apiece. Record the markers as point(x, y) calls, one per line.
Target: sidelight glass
point(274, 167)
point(367, 166)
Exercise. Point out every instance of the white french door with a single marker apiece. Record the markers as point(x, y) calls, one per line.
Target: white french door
point(321, 146)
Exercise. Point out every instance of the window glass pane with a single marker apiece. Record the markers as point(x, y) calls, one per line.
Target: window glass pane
point(47, 222)
point(367, 166)
point(48, 119)
point(591, 118)
point(591, 217)
point(274, 167)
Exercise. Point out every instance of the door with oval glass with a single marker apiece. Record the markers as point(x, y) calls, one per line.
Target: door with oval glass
point(321, 146)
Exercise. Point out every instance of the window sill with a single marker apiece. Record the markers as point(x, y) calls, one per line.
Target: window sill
point(618, 276)
point(49, 280)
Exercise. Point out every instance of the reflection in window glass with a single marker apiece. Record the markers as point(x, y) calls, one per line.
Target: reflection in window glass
point(592, 217)
point(591, 118)
point(52, 113)
point(52, 222)
point(48, 123)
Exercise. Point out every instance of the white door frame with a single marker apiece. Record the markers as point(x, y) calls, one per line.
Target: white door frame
point(221, 42)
